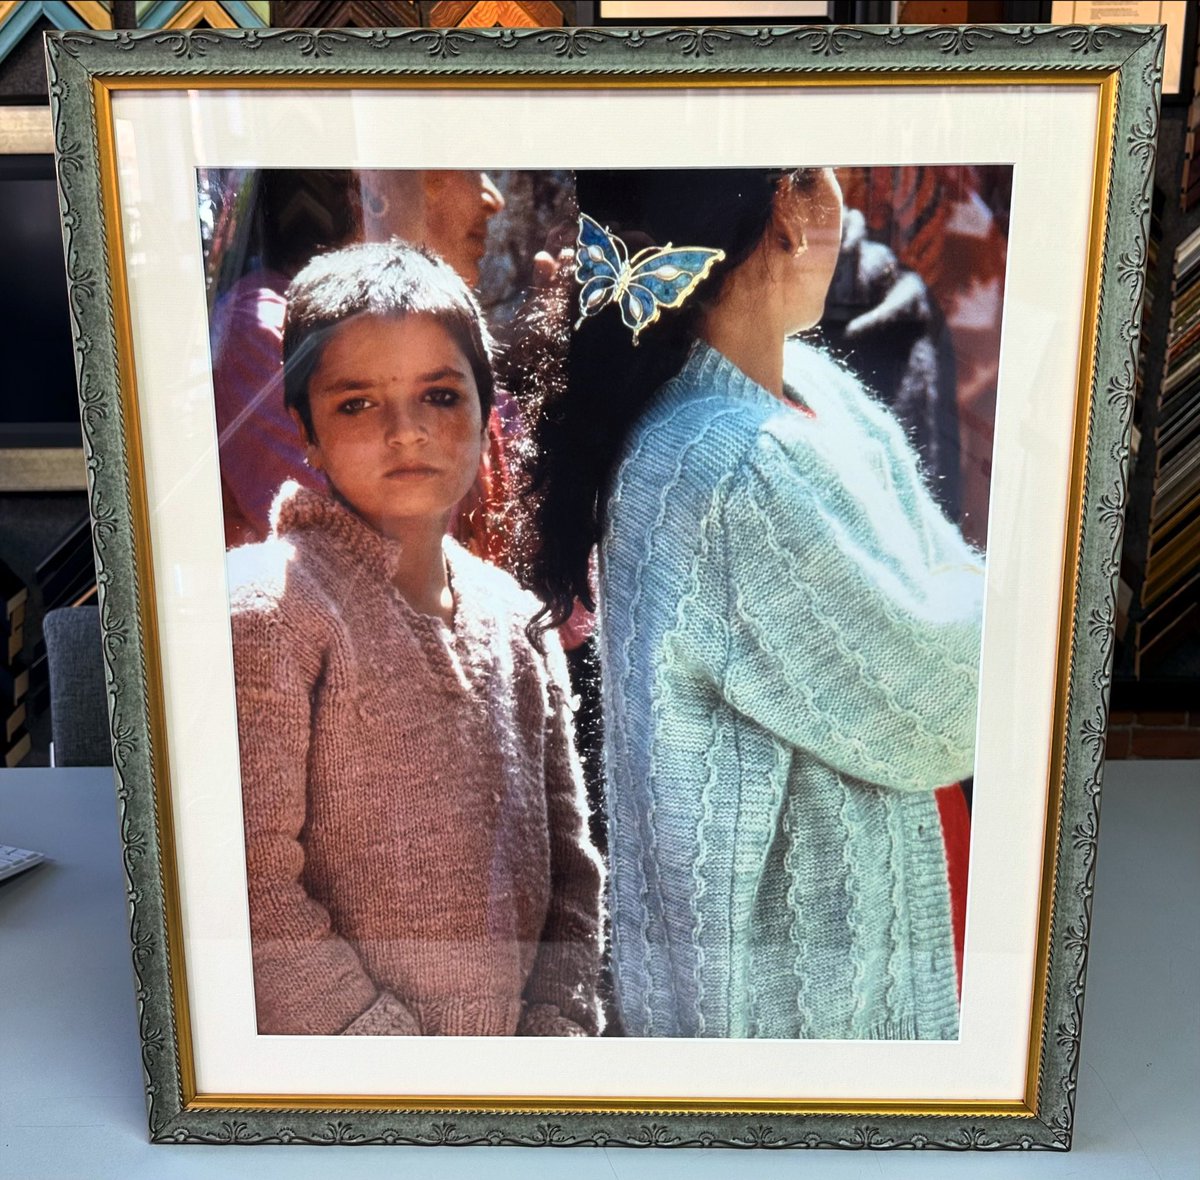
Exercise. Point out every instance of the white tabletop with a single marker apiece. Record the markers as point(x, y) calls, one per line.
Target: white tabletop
point(71, 1100)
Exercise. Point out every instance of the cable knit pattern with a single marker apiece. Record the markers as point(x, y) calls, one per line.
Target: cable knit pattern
point(416, 843)
point(790, 633)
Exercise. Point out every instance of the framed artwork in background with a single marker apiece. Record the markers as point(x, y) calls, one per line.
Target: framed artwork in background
point(39, 439)
point(365, 824)
point(717, 12)
point(733, 12)
point(1178, 20)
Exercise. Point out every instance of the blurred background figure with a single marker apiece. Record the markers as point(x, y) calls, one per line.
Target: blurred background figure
point(445, 210)
point(882, 322)
point(949, 225)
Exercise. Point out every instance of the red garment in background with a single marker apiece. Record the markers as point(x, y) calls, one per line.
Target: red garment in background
point(956, 836)
point(480, 521)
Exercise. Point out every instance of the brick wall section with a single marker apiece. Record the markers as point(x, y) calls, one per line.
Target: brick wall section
point(1154, 735)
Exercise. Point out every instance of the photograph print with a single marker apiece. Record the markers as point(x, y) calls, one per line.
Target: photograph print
point(606, 556)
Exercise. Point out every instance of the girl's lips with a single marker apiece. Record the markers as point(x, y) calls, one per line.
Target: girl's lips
point(412, 470)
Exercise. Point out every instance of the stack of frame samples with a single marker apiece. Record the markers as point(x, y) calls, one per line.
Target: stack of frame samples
point(1158, 201)
point(14, 679)
point(1132, 555)
point(1190, 189)
point(1170, 615)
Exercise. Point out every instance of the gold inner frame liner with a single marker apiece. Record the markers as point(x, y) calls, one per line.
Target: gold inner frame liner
point(1024, 1107)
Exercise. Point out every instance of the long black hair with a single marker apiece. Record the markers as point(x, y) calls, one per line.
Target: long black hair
point(589, 385)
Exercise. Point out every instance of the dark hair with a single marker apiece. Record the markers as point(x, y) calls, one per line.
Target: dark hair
point(585, 406)
point(303, 212)
point(384, 279)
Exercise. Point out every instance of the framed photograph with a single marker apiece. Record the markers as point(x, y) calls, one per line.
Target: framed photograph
point(1179, 20)
point(607, 545)
point(717, 12)
point(39, 438)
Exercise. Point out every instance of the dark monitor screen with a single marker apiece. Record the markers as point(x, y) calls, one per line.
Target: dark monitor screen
point(38, 401)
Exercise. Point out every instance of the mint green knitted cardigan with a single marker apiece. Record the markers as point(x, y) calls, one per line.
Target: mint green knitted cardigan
point(789, 635)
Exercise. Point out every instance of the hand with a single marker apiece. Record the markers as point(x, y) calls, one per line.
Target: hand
point(545, 1020)
point(546, 266)
point(906, 301)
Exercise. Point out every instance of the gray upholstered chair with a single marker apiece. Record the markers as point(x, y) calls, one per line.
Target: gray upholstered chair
point(78, 708)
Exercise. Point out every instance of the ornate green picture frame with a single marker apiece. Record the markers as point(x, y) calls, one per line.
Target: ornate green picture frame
point(1107, 79)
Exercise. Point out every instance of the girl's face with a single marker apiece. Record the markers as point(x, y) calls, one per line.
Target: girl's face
point(814, 216)
point(396, 419)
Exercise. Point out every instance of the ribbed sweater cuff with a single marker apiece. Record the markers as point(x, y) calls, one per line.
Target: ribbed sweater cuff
point(386, 1017)
point(469, 1016)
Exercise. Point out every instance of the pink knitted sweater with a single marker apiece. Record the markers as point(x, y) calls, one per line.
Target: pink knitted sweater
point(416, 843)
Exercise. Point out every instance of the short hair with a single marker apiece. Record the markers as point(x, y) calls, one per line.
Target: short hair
point(383, 279)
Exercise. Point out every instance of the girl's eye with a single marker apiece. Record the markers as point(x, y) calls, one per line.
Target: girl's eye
point(442, 396)
point(353, 405)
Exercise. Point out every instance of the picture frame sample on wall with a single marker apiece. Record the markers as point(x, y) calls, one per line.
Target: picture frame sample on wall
point(608, 635)
point(719, 12)
point(1178, 20)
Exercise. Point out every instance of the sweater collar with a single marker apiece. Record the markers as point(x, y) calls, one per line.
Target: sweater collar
point(706, 368)
point(297, 509)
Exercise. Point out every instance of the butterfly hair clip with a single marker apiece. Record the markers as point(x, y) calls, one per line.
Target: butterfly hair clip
point(641, 286)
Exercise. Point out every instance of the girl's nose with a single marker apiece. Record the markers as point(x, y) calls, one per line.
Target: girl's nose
point(404, 427)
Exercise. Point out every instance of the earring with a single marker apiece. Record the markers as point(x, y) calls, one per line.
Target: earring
point(376, 204)
point(800, 249)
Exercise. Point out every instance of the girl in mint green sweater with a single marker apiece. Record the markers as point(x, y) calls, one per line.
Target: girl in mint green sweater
point(789, 627)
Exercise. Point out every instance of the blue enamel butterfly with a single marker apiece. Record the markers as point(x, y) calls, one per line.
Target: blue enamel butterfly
point(643, 285)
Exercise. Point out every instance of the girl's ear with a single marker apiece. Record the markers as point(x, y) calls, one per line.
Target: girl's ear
point(312, 452)
point(787, 223)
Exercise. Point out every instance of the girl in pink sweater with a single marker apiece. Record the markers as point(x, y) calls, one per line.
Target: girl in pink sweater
point(416, 844)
